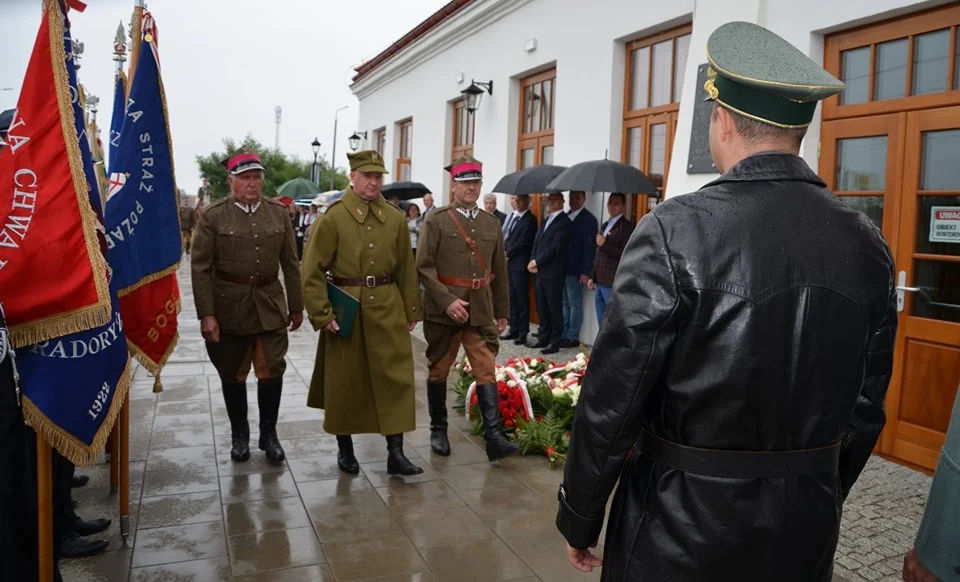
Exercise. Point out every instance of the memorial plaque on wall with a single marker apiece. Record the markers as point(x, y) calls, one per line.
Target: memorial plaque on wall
point(699, 160)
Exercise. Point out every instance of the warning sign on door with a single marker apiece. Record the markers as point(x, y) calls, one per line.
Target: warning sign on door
point(945, 224)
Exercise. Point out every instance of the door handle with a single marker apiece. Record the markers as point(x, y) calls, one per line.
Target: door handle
point(902, 289)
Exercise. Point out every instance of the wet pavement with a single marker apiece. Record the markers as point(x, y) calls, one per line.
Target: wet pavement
point(198, 516)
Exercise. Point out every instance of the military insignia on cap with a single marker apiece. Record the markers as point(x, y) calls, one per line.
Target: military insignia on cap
point(711, 89)
point(760, 75)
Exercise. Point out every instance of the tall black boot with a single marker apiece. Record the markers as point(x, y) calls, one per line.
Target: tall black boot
point(498, 446)
point(268, 396)
point(437, 403)
point(346, 460)
point(397, 462)
point(235, 397)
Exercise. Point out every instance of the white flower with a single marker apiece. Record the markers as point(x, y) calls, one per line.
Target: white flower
point(558, 392)
point(512, 384)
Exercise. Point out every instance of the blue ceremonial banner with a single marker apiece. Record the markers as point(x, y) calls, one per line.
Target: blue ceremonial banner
point(116, 121)
point(143, 225)
point(74, 385)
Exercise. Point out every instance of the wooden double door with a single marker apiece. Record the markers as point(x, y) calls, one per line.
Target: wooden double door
point(903, 171)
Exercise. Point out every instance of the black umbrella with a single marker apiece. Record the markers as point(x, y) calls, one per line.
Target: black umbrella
point(603, 176)
point(532, 180)
point(404, 190)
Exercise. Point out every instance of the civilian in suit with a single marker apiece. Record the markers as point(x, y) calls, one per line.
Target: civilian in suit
point(490, 205)
point(549, 262)
point(583, 237)
point(611, 241)
point(428, 206)
point(519, 231)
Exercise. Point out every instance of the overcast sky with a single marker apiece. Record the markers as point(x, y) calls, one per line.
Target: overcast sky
point(227, 64)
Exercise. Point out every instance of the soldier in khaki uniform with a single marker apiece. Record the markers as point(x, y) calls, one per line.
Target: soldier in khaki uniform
point(463, 269)
point(241, 244)
point(364, 382)
point(188, 219)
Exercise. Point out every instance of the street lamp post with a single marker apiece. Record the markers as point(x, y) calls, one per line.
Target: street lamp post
point(333, 160)
point(316, 168)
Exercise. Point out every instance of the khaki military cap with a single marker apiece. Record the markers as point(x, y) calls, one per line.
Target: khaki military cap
point(367, 161)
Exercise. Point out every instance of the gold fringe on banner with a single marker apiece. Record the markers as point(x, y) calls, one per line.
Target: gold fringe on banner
point(100, 313)
point(68, 445)
point(157, 386)
point(149, 279)
point(41, 330)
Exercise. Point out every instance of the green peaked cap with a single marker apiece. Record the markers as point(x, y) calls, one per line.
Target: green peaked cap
point(760, 75)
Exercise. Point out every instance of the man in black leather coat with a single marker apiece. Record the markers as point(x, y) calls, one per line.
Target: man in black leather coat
point(736, 388)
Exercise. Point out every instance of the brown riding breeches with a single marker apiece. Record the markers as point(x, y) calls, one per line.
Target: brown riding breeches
point(233, 355)
point(443, 343)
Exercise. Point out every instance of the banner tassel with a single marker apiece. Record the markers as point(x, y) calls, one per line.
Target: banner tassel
point(157, 386)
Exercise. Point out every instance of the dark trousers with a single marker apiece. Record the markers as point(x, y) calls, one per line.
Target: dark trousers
point(18, 491)
point(550, 310)
point(519, 302)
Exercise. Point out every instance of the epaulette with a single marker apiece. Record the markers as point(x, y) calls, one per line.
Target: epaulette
point(217, 203)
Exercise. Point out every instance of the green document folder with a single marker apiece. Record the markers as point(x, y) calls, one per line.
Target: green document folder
point(345, 308)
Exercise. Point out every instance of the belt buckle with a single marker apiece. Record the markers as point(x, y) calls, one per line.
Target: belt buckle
point(475, 283)
point(370, 281)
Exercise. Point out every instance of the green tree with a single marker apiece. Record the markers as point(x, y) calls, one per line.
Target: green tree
point(279, 168)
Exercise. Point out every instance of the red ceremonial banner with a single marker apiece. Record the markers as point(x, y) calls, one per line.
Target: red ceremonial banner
point(150, 320)
point(52, 271)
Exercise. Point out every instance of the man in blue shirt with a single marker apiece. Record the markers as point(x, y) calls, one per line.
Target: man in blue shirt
point(583, 236)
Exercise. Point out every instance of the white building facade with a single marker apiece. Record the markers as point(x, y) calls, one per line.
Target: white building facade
point(574, 80)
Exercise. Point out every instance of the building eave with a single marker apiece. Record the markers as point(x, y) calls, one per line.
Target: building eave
point(434, 20)
point(468, 20)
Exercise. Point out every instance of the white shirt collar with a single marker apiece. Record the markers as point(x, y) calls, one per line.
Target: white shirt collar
point(575, 213)
point(611, 223)
point(552, 214)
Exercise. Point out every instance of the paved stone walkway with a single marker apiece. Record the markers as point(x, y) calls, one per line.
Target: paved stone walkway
point(197, 516)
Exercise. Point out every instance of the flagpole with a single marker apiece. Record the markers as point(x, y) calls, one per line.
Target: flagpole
point(136, 31)
point(119, 57)
point(123, 435)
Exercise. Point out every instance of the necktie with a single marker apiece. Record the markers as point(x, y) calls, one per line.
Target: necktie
point(508, 226)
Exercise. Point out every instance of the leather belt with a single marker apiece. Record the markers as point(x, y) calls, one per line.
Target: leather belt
point(467, 283)
point(369, 282)
point(740, 464)
point(253, 280)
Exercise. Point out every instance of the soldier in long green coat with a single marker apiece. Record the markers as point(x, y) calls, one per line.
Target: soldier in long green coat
point(364, 382)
